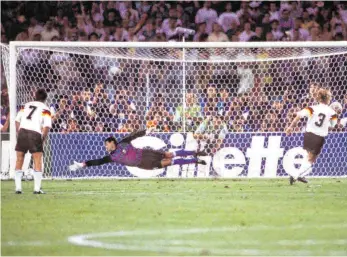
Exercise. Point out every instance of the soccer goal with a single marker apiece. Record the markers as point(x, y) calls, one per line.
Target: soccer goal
point(232, 99)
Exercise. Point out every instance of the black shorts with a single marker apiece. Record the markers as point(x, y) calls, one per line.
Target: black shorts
point(29, 140)
point(313, 143)
point(151, 159)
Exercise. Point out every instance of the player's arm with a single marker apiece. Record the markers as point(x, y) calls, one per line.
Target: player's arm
point(47, 123)
point(45, 132)
point(136, 134)
point(333, 120)
point(306, 112)
point(19, 118)
point(96, 162)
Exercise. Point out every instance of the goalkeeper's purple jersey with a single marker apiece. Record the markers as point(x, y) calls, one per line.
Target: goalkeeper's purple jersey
point(127, 154)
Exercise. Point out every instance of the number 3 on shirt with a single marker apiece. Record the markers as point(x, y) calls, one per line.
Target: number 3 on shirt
point(32, 111)
point(319, 123)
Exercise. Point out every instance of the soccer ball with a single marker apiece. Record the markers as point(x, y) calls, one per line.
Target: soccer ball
point(336, 106)
point(28, 174)
point(114, 70)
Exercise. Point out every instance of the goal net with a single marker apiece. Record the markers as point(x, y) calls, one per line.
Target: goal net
point(233, 100)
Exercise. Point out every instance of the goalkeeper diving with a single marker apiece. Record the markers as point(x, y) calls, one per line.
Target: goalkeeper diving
point(123, 152)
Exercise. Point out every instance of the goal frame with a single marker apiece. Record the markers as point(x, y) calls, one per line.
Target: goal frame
point(184, 45)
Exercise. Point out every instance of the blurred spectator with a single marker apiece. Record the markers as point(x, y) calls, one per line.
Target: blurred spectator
point(72, 126)
point(49, 32)
point(238, 124)
point(286, 22)
point(298, 33)
point(295, 10)
point(99, 127)
point(277, 34)
point(210, 101)
point(34, 28)
point(122, 106)
point(111, 19)
point(22, 36)
point(121, 35)
point(160, 122)
point(61, 114)
point(172, 21)
point(170, 30)
point(326, 33)
point(224, 102)
point(158, 105)
point(213, 130)
point(274, 13)
point(269, 124)
point(247, 33)
point(192, 112)
point(227, 18)
point(206, 14)
point(217, 34)
point(93, 37)
point(201, 31)
point(129, 14)
point(148, 33)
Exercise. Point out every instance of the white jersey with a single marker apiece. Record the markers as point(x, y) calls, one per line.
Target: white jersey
point(320, 118)
point(34, 116)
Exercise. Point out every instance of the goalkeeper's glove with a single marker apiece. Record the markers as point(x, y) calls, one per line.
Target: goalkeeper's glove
point(76, 166)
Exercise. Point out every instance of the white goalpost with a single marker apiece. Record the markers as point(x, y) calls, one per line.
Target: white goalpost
point(238, 96)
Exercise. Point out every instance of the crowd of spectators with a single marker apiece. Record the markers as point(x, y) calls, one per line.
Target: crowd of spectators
point(251, 97)
point(158, 20)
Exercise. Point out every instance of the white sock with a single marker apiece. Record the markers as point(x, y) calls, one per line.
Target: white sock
point(308, 171)
point(37, 180)
point(306, 168)
point(18, 180)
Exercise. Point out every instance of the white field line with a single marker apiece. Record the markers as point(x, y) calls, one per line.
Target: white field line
point(175, 246)
point(25, 243)
point(221, 242)
point(130, 193)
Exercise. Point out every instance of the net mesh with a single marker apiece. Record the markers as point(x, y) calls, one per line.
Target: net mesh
point(213, 97)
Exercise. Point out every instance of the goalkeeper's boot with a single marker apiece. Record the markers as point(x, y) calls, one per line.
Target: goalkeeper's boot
point(303, 180)
point(202, 162)
point(18, 192)
point(200, 153)
point(291, 180)
point(39, 192)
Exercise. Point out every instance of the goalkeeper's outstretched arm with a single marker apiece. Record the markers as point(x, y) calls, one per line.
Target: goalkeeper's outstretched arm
point(96, 162)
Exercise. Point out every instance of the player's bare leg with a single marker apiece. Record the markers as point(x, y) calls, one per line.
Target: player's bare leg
point(311, 159)
point(37, 172)
point(165, 162)
point(169, 155)
point(19, 172)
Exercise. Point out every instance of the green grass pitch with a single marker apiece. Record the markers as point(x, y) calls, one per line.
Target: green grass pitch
point(176, 217)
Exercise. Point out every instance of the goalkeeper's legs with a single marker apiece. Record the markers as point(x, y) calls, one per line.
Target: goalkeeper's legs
point(184, 153)
point(37, 172)
point(170, 162)
point(19, 172)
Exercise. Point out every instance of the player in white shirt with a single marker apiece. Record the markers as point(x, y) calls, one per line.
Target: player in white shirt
point(320, 118)
point(33, 123)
